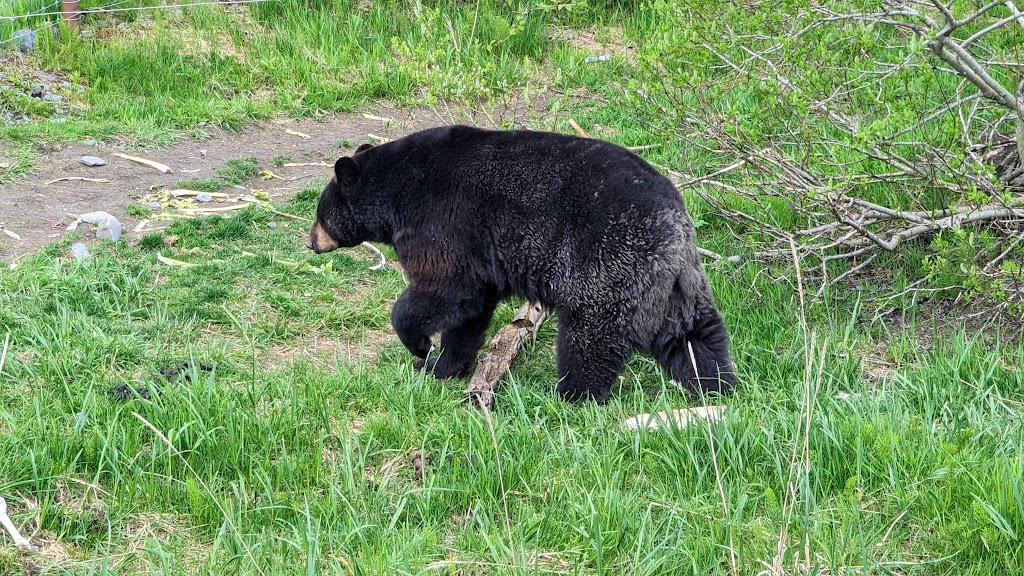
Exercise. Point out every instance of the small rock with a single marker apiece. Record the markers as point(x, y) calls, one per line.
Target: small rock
point(48, 77)
point(155, 205)
point(94, 217)
point(52, 97)
point(109, 229)
point(87, 34)
point(238, 187)
point(89, 142)
point(272, 225)
point(203, 152)
point(201, 124)
point(93, 161)
point(37, 91)
point(80, 251)
point(204, 197)
point(25, 39)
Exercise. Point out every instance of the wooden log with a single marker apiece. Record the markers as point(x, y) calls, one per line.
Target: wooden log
point(504, 347)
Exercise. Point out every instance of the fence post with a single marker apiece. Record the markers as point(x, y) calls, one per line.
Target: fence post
point(69, 13)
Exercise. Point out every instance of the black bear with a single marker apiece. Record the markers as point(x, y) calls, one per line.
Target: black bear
point(584, 227)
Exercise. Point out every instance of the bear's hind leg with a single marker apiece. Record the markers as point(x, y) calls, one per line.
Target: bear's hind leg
point(710, 342)
point(590, 359)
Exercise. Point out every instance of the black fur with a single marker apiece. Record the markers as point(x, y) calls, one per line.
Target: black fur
point(585, 227)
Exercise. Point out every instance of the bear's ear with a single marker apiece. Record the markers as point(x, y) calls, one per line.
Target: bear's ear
point(363, 148)
point(346, 171)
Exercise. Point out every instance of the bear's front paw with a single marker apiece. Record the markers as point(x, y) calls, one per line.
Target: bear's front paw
point(421, 348)
point(441, 369)
point(579, 394)
point(426, 364)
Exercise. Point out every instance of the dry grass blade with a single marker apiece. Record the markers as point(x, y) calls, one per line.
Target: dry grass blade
point(714, 461)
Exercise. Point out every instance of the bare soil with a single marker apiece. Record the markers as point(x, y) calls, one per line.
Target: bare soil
point(38, 210)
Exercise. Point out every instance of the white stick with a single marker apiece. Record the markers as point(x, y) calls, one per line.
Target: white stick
point(5, 520)
point(383, 260)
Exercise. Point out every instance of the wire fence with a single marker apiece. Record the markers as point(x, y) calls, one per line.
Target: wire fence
point(22, 20)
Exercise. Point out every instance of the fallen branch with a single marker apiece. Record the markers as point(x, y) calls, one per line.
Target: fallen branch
point(676, 419)
point(151, 163)
point(504, 347)
point(77, 179)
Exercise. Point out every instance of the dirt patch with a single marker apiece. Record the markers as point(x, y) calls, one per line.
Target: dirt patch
point(322, 352)
point(37, 209)
point(611, 41)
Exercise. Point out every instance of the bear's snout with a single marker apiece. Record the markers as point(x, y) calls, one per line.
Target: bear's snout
point(319, 240)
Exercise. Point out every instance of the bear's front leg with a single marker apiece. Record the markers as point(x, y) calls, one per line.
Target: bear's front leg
point(462, 321)
point(411, 322)
point(459, 346)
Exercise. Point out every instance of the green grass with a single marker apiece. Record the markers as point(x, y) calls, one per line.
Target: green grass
point(235, 171)
point(202, 185)
point(877, 442)
point(300, 457)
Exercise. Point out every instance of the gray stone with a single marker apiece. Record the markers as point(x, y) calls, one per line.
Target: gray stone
point(203, 152)
point(201, 124)
point(95, 217)
point(93, 161)
point(109, 229)
point(52, 97)
point(37, 91)
point(156, 205)
point(238, 187)
point(25, 39)
point(204, 197)
point(272, 225)
point(81, 251)
point(89, 142)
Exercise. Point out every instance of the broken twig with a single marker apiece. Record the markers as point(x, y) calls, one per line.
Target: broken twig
point(579, 130)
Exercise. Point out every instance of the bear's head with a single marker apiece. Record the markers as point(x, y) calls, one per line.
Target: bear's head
point(342, 218)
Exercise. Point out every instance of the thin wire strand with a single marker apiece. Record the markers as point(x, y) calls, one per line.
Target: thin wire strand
point(47, 26)
point(134, 9)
